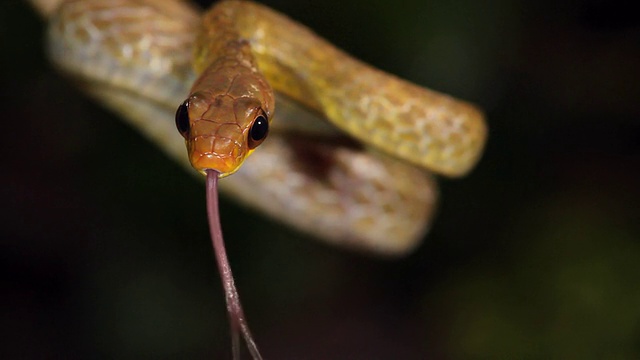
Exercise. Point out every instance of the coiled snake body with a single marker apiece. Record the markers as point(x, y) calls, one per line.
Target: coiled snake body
point(350, 149)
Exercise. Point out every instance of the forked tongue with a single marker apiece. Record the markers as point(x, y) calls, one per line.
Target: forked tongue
point(234, 308)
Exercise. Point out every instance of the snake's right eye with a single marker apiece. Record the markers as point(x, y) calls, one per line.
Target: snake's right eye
point(259, 130)
point(182, 118)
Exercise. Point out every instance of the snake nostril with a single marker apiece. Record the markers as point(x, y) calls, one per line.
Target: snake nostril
point(182, 118)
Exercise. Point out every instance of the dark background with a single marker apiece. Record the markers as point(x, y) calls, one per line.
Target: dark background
point(104, 244)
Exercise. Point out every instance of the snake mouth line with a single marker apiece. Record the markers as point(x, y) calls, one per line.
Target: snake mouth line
point(223, 165)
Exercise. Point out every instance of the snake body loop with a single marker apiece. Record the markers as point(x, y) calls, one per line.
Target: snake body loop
point(138, 57)
point(429, 129)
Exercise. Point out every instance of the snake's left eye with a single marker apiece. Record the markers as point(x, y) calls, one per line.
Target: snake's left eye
point(182, 118)
point(259, 130)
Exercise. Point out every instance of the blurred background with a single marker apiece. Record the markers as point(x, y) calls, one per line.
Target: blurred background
point(536, 254)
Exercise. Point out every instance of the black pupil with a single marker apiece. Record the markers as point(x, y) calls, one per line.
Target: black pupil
point(182, 118)
point(259, 128)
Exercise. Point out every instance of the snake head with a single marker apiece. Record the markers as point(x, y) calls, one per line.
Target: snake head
point(221, 131)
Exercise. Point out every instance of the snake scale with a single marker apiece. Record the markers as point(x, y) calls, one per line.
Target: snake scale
point(351, 149)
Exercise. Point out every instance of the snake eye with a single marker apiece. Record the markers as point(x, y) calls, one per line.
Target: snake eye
point(259, 130)
point(182, 118)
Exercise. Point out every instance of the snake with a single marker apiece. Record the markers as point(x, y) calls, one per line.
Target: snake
point(351, 151)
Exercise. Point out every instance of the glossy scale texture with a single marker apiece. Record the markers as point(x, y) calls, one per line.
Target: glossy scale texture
point(136, 57)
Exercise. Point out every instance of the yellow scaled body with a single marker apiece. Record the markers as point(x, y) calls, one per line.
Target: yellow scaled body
point(350, 148)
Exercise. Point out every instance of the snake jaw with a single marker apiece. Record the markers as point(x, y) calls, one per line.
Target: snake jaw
point(223, 166)
point(221, 154)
